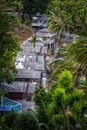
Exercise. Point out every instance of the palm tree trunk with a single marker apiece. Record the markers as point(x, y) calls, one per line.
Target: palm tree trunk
point(59, 36)
point(76, 80)
point(58, 39)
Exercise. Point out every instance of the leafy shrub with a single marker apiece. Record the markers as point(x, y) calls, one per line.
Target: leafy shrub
point(26, 121)
point(10, 118)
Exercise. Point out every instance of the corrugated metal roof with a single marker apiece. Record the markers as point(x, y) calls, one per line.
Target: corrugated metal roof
point(40, 59)
point(28, 73)
point(34, 65)
point(17, 86)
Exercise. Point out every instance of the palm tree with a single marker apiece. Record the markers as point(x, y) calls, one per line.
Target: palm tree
point(78, 51)
point(34, 40)
point(55, 23)
point(58, 22)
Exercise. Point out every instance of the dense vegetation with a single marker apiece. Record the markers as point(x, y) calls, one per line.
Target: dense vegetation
point(33, 6)
point(15, 121)
point(29, 7)
point(8, 46)
point(70, 16)
point(64, 106)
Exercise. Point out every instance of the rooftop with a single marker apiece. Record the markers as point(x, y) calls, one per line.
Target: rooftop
point(28, 73)
point(17, 86)
point(45, 32)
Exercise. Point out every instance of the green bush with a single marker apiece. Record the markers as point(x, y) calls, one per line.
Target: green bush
point(10, 118)
point(26, 121)
point(3, 125)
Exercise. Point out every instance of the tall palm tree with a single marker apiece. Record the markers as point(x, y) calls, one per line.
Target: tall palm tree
point(55, 23)
point(68, 15)
point(78, 51)
point(58, 21)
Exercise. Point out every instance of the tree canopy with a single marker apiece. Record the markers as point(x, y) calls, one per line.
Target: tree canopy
point(32, 7)
point(63, 107)
point(70, 16)
point(8, 46)
point(72, 13)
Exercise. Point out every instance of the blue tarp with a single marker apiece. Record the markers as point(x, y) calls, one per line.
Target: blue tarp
point(9, 105)
point(5, 108)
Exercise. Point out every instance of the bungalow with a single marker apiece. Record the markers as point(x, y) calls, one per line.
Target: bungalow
point(28, 75)
point(7, 104)
point(47, 37)
point(39, 21)
point(20, 92)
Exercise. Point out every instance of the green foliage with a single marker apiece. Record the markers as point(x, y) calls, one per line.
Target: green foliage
point(65, 107)
point(59, 95)
point(78, 49)
point(27, 121)
point(78, 52)
point(65, 79)
point(3, 4)
point(15, 5)
point(41, 96)
point(58, 119)
point(60, 65)
point(72, 13)
point(5, 21)
point(19, 121)
point(68, 15)
point(10, 118)
point(3, 125)
point(9, 48)
point(34, 40)
point(42, 100)
point(28, 22)
point(34, 6)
